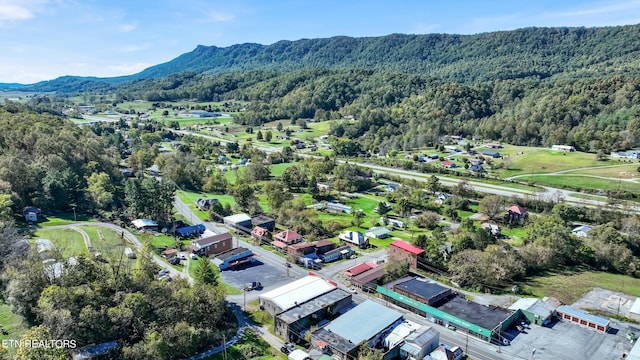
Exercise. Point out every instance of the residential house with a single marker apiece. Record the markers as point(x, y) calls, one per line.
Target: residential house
point(448, 164)
point(445, 352)
point(324, 246)
point(170, 253)
point(516, 213)
point(145, 224)
point(494, 146)
point(477, 168)
point(493, 228)
point(491, 153)
point(581, 231)
point(335, 206)
point(288, 237)
point(378, 232)
point(392, 187)
point(206, 204)
point(452, 148)
point(260, 234)
point(354, 238)
point(442, 198)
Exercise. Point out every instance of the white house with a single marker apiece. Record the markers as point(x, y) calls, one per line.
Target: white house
point(581, 231)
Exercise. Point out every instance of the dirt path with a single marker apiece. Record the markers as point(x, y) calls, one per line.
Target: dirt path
point(85, 237)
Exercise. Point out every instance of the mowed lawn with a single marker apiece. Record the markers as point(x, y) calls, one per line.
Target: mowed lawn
point(190, 197)
point(622, 171)
point(570, 286)
point(542, 160)
point(68, 241)
point(586, 182)
point(111, 244)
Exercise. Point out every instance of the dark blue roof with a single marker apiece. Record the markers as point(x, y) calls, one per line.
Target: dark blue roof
point(191, 230)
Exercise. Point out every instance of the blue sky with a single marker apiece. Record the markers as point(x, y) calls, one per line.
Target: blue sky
point(44, 39)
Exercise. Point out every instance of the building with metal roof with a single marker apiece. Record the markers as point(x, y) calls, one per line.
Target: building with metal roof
point(403, 251)
point(535, 310)
point(583, 318)
point(368, 281)
point(294, 293)
point(378, 232)
point(420, 343)
point(368, 323)
point(295, 322)
point(233, 258)
point(424, 290)
point(240, 222)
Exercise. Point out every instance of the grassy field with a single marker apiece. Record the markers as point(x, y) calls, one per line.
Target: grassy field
point(110, 244)
point(543, 160)
point(13, 324)
point(68, 241)
point(190, 197)
point(63, 219)
point(569, 286)
point(623, 171)
point(583, 182)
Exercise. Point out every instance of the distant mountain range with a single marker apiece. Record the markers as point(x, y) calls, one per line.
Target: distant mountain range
point(540, 52)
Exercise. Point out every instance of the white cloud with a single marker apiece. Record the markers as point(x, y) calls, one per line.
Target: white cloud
point(14, 11)
point(128, 27)
point(217, 16)
point(134, 48)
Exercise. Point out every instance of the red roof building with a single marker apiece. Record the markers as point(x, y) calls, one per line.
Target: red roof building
point(359, 269)
point(403, 251)
point(518, 210)
point(279, 245)
point(289, 237)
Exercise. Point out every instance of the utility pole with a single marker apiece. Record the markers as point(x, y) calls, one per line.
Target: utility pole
point(620, 299)
point(224, 346)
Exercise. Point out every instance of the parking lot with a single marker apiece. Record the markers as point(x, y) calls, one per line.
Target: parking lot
point(565, 340)
point(269, 275)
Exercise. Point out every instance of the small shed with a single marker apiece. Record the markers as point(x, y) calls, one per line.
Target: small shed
point(145, 224)
point(581, 231)
point(129, 253)
point(31, 214)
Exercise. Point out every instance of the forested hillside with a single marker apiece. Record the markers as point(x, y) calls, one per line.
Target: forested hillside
point(398, 111)
point(461, 58)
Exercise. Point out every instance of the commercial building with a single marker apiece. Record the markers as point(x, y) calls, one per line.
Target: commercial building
point(264, 221)
point(233, 258)
point(447, 308)
point(583, 318)
point(367, 324)
point(293, 323)
point(420, 343)
point(297, 292)
point(212, 245)
point(241, 222)
point(536, 311)
point(369, 280)
point(403, 251)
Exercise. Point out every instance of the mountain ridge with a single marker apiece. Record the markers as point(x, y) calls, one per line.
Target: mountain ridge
point(535, 51)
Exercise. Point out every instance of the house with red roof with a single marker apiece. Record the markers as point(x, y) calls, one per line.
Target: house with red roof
point(288, 237)
point(448, 164)
point(403, 251)
point(260, 234)
point(516, 213)
point(360, 269)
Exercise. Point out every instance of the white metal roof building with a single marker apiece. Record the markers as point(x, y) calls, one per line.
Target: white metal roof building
point(294, 293)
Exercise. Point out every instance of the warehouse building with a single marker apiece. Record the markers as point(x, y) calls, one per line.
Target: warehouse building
point(295, 322)
point(583, 318)
point(367, 324)
point(240, 222)
point(368, 281)
point(447, 308)
point(536, 311)
point(297, 292)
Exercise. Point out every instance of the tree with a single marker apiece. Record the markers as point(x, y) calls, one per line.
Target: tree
point(463, 189)
point(216, 183)
point(383, 208)
point(40, 332)
point(433, 184)
point(312, 188)
point(259, 135)
point(268, 136)
point(101, 190)
point(492, 206)
point(358, 215)
point(205, 273)
point(279, 126)
point(427, 219)
point(369, 353)
point(246, 199)
point(294, 178)
point(232, 147)
point(276, 194)
point(404, 207)
point(257, 171)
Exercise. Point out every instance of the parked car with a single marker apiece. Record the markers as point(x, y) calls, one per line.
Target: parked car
point(194, 257)
point(163, 272)
point(285, 350)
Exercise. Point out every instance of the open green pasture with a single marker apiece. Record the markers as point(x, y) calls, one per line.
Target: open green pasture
point(585, 182)
point(13, 324)
point(69, 242)
point(543, 160)
point(110, 244)
point(622, 171)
